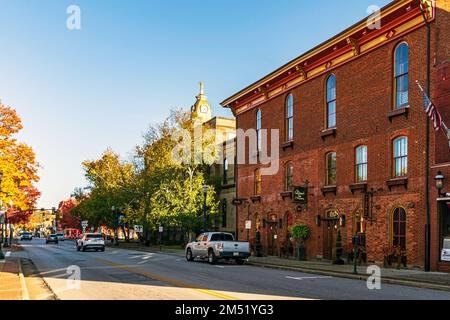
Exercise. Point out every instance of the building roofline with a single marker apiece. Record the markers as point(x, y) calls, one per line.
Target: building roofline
point(316, 50)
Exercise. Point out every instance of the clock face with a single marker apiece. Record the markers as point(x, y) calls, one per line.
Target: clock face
point(204, 108)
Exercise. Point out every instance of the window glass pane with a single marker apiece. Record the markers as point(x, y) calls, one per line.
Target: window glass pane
point(331, 88)
point(402, 95)
point(401, 59)
point(401, 75)
point(331, 120)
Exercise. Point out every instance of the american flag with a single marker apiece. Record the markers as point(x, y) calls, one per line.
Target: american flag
point(432, 111)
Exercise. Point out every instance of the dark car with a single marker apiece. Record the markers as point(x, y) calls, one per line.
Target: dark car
point(53, 238)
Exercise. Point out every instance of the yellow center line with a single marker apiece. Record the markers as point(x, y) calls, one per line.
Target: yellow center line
point(168, 280)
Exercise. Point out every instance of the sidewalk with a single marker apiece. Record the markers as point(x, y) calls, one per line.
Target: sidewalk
point(10, 281)
point(20, 280)
point(407, 277)
point(415, 278)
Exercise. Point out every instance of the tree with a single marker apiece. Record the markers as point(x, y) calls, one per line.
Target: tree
point(18, 165)
point(176, 188)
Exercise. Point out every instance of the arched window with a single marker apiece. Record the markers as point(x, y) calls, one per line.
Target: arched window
point(289, 176)
point(331, 102)
point(290, 118)
point(361, 164)
point(399, 228)
point(258, 129)
point(258, 182)
point(331, 169)
point(400, 164)
point(401, 76)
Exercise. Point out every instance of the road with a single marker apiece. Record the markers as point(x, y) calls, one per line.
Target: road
point(133, 275)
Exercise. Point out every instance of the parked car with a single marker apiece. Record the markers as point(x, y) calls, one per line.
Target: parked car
point(93, 241)
point(26, 236)
point(51, 238)
point(218, 246)
point(60, 236)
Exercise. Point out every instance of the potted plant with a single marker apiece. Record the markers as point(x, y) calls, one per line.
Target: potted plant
point(339, 249)
point(301, 233)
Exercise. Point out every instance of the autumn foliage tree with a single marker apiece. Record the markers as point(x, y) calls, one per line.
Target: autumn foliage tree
point(18, 166)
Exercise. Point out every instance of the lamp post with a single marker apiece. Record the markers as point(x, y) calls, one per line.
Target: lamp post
point(205, 191)
point(10, 225)
point(116, 226)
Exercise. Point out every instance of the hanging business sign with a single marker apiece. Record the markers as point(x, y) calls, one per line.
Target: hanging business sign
point(300, 195)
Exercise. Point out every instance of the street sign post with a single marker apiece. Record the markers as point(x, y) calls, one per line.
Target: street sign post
point(248, 224)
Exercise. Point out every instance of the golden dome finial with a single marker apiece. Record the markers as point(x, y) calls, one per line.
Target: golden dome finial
point(202, 87)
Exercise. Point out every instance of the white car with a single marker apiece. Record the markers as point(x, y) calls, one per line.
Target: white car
point(60, 236)
point(94, 241)
point(218, 246)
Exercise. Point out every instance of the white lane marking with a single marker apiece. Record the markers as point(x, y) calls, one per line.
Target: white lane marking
point(8, 254)
point(221, 267)
point(23, 284)
point(308, 278)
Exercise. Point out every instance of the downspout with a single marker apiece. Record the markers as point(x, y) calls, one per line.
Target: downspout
point(427, 149)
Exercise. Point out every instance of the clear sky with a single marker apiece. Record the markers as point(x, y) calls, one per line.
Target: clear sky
point(80, 92)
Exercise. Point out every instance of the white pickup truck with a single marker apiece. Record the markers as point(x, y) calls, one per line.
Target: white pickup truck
point(218, 246)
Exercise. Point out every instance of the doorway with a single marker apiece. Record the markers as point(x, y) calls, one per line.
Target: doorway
point(331, 226)
point(272, 233)
point(444, 231)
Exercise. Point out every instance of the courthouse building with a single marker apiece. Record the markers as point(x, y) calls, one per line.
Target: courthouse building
point(223, 171)
point(353, 138)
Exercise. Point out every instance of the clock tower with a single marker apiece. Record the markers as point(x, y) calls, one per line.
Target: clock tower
point(201, 110)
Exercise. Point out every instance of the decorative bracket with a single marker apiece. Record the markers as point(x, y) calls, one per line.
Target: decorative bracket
point(355, 44)
point(302, 72)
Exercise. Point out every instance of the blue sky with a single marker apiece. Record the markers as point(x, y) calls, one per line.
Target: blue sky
point(80, 92)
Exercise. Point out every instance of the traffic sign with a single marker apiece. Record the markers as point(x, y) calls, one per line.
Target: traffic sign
point(84, 224)
point(138, 229)
point(248, 224)
point(161, 229)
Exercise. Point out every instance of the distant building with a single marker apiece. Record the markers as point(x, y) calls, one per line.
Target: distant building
point(224, 172)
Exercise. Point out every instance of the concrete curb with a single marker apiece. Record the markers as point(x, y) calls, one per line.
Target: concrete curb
point(362, 277)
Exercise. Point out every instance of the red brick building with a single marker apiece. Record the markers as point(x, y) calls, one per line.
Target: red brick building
point(353, 131)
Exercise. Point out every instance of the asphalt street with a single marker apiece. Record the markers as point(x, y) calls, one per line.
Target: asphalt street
point(133, 275)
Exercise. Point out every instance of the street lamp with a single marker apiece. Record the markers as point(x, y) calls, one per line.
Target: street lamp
point(205, 191)
point(440, 183)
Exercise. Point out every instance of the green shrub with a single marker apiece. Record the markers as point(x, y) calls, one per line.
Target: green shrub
point(300, 232)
